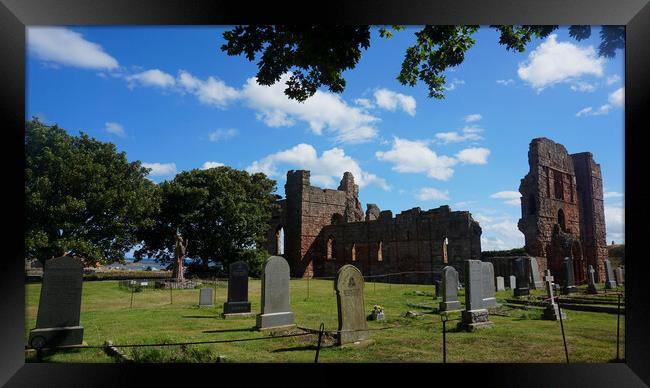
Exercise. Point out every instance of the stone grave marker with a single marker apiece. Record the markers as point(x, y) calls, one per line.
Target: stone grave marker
point(521, 273)
point(276, 312)
point(591, 287)
point(59, 307)
point(568, 286)
point(489, 289)
point(206, 297)
point(500, 284)
point(619, 274)
point(551, 312)
point(450, 300)
point(512, 282)
point(353, 328)
point(609, 275)
point(475, 316)
point(237, 304)
point(535, 282)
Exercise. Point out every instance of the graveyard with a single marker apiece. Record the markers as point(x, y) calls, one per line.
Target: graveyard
point(157, 316)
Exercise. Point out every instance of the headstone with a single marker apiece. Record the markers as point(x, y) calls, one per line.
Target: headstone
point(206, 297)
point(521, 273)
point(489, 290)
point(568, 286)
point(513, 282)
point(591, 287)
point(551, 312)
point(353, 328)
point(450, 300)
point(609, 275)
point(276, 312)
point(475, 316)
point(535, 282)
point(500, 284)
point(59, 308)
point(619, 274)
point(237, 304)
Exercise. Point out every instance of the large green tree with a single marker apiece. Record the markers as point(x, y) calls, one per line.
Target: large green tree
point(222, 212)
point(82, 197)
point(318, 55)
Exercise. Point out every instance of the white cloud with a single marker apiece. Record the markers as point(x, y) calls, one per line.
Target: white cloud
point(222, 134)
point(500, 233)
point(389, 100)
point(432, 194)
point(326, 170)
point(153, 77)
point(581, 86)
point(115, 129)
point(207, 165)
point(613, 79)
point(505, 82)
point(472, 118)
point(615, 223)
point(212, 91)
point(158, 169)
point(589, 111)
point(552, 62)
point(414, 156)
point(454, 83)
point(323, 111)
point(63, 46)
point(364, 103)
point(509, 197)
point(475, 155)
point(612, 194)
point(455, 137)
point(617, 98)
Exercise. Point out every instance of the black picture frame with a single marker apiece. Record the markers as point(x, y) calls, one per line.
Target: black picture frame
point(16, 14)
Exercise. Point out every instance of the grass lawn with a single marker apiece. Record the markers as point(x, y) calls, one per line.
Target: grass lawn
point(518, 335)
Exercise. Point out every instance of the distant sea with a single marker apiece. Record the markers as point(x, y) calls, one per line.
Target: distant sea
point(140, 265)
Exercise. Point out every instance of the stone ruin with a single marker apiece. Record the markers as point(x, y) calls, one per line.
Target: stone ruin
point(325, 229)
point(562, 210)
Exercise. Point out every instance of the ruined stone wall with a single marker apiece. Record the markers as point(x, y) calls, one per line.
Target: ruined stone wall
point(412, 241)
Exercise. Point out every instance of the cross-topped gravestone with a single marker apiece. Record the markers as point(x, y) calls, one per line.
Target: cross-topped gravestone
point(59, 308)
point(353, 328)
point(568, 285)
point(276, 312)
point(475, 315)
point(449, 290)
point(521, 272)
point(237, 304)
point(206, 297)
point(591, 287)
point(489, 290)
point(500, 284)
point(551, 312)
point(609, 275)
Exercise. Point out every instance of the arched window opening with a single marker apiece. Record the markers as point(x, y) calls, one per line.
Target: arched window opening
point(279, 241)
point(380, 256)
point(532, 206)
point(337, 219)
point(445, 258)
point(330, 244)
point(560, 220)
point(353, 254)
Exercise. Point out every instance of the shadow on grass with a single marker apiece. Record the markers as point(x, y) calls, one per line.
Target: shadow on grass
point(230, 330)
point(298, 348)
point(200, 316)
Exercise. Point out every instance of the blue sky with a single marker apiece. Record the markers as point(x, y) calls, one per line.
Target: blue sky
point(169, 97)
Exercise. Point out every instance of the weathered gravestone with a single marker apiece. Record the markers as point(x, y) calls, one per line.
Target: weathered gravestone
point(475, 316)
point(276, 312)
point(551, 312)
point(535, 282)
point(489, 290)
point(619, 274)
point(513, 282)
point(206, 297)
point(591, 287)
point(568, 286)
point(521, 273)
point(450, 300)
point(237, 304)
point(500, 284)
point(59, 308)
point(609, 275)
point(353, 328)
